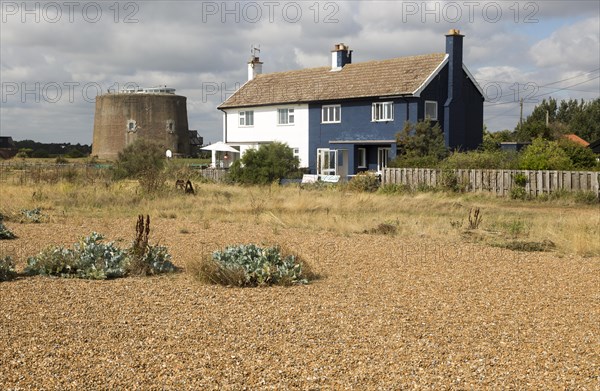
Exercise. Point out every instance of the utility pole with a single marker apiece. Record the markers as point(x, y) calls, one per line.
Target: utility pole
point(547, 118)
point(521, 116)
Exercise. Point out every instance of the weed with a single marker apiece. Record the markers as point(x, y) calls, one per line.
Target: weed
point(383, 229)
point(475, 218)
point(516, 245)
point(144, 258)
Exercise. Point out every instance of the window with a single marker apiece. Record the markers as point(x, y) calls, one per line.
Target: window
point(362, 157)
point(431, 110)
point(383, 111)
point(247, 118)
point(296, 152)
point(285, 116)
point(331, 114)
point(131, 125)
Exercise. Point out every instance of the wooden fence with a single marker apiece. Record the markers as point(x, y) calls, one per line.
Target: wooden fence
point(500, 182)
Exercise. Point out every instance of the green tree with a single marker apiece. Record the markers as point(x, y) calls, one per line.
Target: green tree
point(586, 122)
point(492, 140)
point(582, 158)
point(545, 155)
point(264, 165)
point(419, 145)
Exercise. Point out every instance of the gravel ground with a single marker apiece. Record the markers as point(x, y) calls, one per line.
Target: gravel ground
point(387, 313)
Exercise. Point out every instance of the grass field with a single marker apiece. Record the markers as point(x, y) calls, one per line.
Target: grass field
point(435, 304)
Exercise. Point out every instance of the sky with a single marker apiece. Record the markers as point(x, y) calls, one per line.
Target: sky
point(57, 56)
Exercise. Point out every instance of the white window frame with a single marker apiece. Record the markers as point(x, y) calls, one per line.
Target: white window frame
point(382, 112)
point(244, 116)
point(288, 114)
point(296, 152)
point(431, 102)
point(362, 158)
point(327, 161)
point(327, 111)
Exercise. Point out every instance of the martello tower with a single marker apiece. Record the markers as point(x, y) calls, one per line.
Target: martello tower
point(156, 114)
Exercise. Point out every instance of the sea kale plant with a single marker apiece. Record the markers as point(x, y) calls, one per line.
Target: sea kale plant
point(250, 265)
point(91, 258)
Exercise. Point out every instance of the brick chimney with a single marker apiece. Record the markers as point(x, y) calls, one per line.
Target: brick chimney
point(340, 56)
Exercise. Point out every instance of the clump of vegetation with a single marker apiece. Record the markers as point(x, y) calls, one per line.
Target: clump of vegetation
point(498, 160)
point(518, 245)
point(475, 218)
point(364, 182)
point(251, 265)
point(420, 145)
point(142, 160)
point(518, 191)
point(7, 268)
point(394, 188)
point(265, 165)
point(545, 155)
point(5, 233)
point(146, 259)
point(32, 215)
point(384, 229)
point(90, 258)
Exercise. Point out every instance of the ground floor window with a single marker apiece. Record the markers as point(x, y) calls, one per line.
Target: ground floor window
point(327, 161)
point(362, 158)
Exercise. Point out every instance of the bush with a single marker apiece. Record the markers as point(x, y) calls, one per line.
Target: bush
point(498, 160)
point(142, 160)
point(92, 259)
point(518, 192)
point(40, 153)
point(61, 160)
point(147, 259)
point(250, 265)
point(422, 139)
point(545, 155)
point(32, 215)
point(89, 259)
point(5, 233)
point(7, 268)
point(265, 165)
point(364, 182)
point(582, 158)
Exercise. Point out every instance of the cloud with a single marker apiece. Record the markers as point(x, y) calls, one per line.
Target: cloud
point(201, 49)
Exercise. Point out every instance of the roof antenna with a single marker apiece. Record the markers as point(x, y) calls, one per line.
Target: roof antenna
point(254, 51)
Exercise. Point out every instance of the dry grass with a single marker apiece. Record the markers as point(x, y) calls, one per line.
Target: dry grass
point(573, 228)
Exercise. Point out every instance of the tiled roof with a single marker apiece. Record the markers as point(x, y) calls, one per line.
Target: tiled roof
point(397, 76)
point(576, 139)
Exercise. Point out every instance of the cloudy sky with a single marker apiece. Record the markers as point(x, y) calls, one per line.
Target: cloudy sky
point(55, 57)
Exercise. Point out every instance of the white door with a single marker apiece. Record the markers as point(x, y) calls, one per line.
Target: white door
point(382, 158)
point(327, 161)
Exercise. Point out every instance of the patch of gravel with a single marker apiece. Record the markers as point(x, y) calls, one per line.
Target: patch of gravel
point(388, 313)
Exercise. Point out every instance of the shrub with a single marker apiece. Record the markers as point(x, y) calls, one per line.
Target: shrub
point(265, 165)
point(499, 160)
point(582, 158)
point(61, 160)
point(142, 160)
point(32, 215)
point(250, 265)
point(394, 188)
point(545, 155)
point(7, 268)
point(422, 139)
point(518, 192)
point(5, 233)
point(89, 259)
point(364, 182)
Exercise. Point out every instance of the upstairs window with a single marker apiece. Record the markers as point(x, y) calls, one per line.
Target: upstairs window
point(247, 118)
point(285, 116)
point(383, 111)
point(431, 110)
point(331, 114)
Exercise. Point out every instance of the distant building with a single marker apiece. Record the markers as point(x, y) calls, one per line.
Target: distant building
point(514, 146)
point(8, 148)
point(154, 114)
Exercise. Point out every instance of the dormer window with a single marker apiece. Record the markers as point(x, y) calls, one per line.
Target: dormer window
point(383, 111)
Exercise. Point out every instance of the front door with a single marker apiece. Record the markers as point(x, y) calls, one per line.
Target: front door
point(382, 158)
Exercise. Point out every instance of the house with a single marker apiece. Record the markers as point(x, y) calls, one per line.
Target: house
point(8, 148)
point(595, 147)
point(343, 119)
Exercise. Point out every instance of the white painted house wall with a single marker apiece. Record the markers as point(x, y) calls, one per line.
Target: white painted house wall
point(266, 129)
